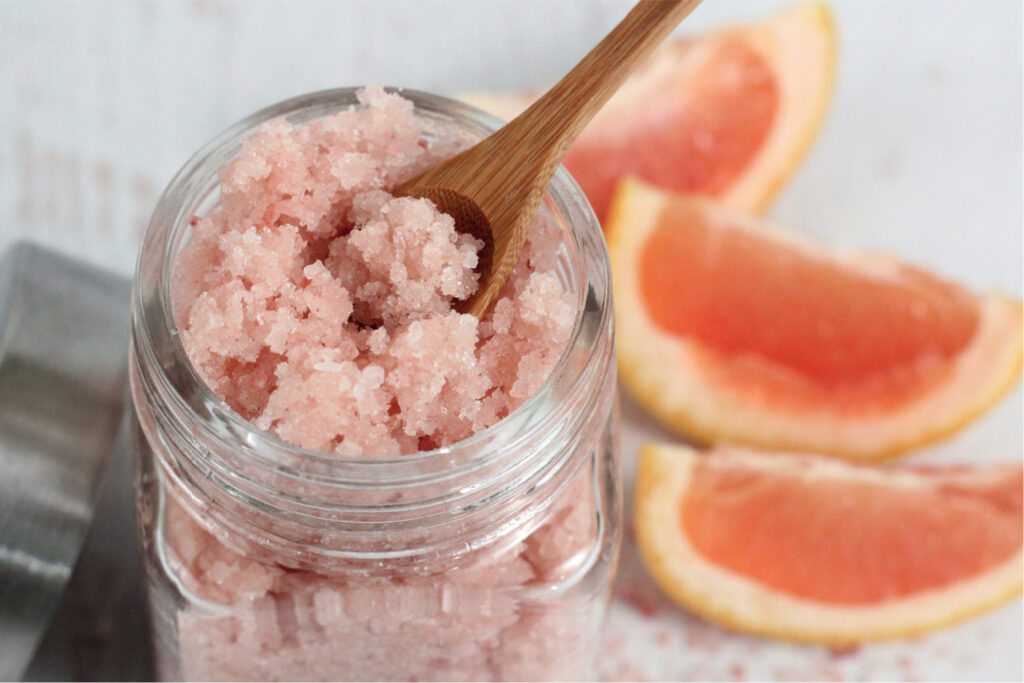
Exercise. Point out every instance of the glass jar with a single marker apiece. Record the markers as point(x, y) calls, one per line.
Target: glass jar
point(491, 559)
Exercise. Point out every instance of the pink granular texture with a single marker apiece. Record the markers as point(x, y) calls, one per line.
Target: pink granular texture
point(497, 618)
point(322, 308)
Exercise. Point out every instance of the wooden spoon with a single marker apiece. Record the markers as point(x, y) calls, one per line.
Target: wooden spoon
point(493, 189)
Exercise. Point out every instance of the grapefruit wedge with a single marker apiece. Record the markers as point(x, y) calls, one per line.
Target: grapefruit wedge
point(728, 115)
point(729, 329)
point(818, 550)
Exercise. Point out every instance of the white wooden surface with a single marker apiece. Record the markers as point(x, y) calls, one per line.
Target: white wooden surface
point(100, 103)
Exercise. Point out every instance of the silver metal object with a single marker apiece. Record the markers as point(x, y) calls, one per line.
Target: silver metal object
point(63, 348)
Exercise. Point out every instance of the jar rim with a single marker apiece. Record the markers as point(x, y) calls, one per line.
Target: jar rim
point(583, 229)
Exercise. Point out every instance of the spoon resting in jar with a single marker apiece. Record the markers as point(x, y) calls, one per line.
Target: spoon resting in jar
point(494, 188)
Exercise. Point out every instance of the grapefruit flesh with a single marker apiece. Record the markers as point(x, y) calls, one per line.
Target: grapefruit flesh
point(727, 115)
point(832, 324)
point(848, 541)
point(810, 548)
point(731, 329)
point(715, 119)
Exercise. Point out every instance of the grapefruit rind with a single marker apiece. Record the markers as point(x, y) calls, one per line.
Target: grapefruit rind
point(798, 43)
point(739, 603)
point(664, 372)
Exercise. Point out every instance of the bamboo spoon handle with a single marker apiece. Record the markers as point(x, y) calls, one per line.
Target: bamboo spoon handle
point(493, 189)
point(554, 121)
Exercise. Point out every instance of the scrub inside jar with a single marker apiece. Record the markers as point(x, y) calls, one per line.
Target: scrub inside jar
point(271, 294)
point(273, 290)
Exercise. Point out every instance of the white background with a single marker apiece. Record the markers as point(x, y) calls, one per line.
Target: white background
point(921, 156)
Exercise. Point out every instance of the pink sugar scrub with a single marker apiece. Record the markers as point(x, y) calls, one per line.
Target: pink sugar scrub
point(306, 240)
point(481, 621)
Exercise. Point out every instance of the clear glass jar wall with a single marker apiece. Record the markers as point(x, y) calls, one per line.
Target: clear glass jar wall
point(491, 559)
